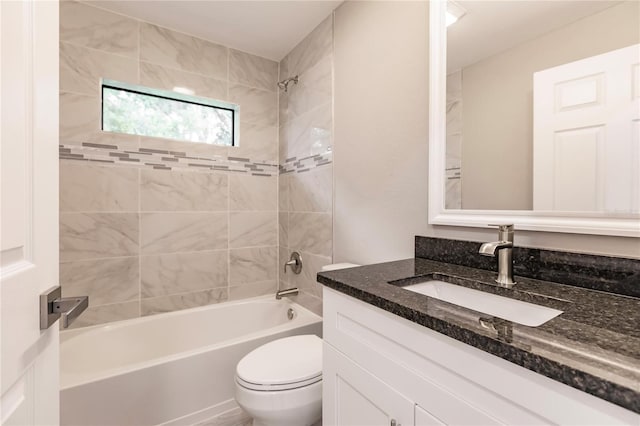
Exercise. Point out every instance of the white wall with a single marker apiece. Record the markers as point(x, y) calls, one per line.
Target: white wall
point(380, 166)
point(381, 129)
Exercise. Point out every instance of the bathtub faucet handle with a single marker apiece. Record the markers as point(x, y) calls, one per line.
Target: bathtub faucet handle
point(295, 263)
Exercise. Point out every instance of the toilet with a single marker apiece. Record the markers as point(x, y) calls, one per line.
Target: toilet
point(280, 382)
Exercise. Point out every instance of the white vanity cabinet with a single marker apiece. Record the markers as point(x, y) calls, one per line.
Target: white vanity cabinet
point(359, 397)
point(381, 369)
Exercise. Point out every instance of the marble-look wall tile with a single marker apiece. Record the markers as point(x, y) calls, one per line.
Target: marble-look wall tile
point(251, 265)
point(162, 190)
point(283, 229)
point(81, 69)
point(107, 313)
point(194, 149)
point(256, 105)
point(454, 117)
point(312, 191)
point(311, 232)
point(79, 117)
point(314, 89)
point(92, 188)
point(306, 198)
point(152, 75)
point(180, 51)
point(96, 28)
point(173, 232)
point(306, 280)
point(252, 193)
point(309, 301)
point(97, 235)
point(251, 229)
point(282, 144)
point(453, 158)
point(178, 302)
point(453, 194)
point(105, 281)
point(312, 49)
point(252, 70)
point(252, 290)
point(177, 218)
point(121, 140)
point(283, 103)
point(283, 193)
point(183, 272)
point(258, 142)
point(308, 134)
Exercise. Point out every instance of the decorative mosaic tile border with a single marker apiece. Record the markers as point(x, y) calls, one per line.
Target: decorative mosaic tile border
point(453, 173)
point(172, 160)
point(163, 159)
point(301, 165)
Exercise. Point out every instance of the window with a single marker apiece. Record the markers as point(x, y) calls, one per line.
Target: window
point(138, 110)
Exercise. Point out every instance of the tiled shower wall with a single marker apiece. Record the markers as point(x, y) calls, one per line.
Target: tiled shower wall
point(152, 225)
point(306, 173)
point(453, 194)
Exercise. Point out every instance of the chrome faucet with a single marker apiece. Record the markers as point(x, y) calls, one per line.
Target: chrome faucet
point(504, 247)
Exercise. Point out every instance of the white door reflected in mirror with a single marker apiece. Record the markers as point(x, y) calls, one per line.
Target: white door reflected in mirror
point(586, 117)
point(493, 54)
point(481, 117)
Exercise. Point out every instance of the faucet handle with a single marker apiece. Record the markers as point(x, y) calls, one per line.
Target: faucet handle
point(503, 227)
point(505, 232)
point(295, 263)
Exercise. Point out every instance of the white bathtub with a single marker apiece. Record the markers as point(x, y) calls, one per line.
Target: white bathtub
point(175, 368)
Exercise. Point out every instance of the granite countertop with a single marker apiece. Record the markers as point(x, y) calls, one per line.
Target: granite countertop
point(593, 346)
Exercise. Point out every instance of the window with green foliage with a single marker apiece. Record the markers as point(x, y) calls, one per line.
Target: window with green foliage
point(164, 114)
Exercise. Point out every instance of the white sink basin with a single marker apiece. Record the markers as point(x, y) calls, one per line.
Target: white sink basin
point(502, 307)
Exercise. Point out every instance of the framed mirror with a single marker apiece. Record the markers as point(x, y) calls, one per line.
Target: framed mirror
point(535, 115)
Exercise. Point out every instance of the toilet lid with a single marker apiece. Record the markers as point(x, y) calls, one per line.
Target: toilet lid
point(286, 363)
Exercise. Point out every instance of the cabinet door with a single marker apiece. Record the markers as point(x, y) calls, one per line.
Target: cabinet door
point(424, 418)
point(354, 397)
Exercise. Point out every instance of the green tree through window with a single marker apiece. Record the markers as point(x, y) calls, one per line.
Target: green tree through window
point(125, 111)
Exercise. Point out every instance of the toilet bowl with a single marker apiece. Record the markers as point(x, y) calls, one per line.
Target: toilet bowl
point(280, 383)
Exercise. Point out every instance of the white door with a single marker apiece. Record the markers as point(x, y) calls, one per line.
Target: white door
point(351, 396)
point(28, 210)
point(586, 147)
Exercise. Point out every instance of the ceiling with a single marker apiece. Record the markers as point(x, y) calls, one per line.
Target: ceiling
point(491, 27)
point(272, 28)
point(265, 28)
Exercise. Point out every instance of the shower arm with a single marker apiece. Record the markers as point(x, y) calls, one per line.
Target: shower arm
point(284, 84)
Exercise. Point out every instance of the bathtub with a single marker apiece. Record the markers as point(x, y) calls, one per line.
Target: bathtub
point(175, 368)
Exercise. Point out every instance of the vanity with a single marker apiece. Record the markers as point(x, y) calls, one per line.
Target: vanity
point(435, 339)
point(393, 356)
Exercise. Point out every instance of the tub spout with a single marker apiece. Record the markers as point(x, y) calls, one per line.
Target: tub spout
point(286, 292)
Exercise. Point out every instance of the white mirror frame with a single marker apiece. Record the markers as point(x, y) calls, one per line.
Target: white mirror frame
point(567, 222)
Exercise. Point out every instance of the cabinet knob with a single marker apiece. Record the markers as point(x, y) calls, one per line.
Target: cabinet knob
point(394, 423)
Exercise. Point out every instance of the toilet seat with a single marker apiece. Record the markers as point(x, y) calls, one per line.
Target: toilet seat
point(283, 364)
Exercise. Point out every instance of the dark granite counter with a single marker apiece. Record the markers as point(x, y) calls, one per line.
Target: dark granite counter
point(593, 346)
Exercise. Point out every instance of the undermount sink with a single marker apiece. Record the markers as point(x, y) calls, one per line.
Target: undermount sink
point(498, 306)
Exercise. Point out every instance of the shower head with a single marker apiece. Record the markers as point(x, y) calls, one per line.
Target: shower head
point(284, 84)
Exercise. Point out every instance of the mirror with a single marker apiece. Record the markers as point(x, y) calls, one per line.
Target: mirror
point(535, 115)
